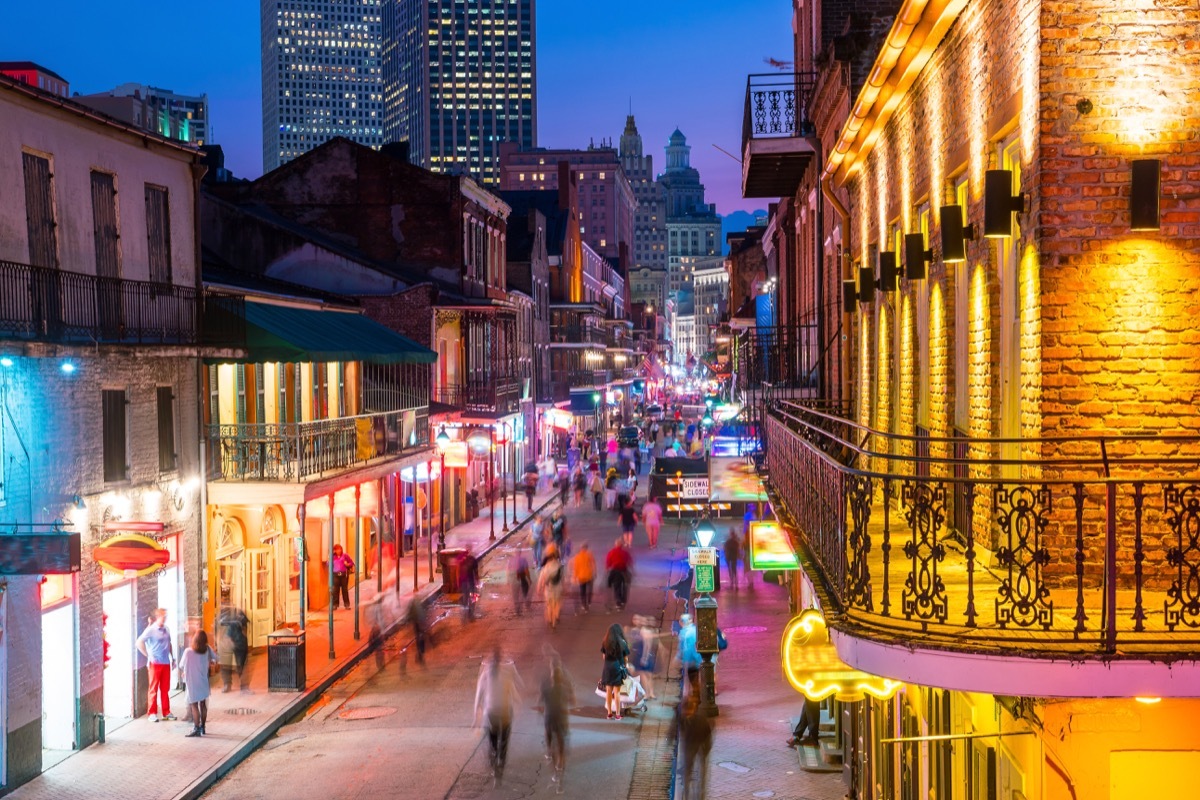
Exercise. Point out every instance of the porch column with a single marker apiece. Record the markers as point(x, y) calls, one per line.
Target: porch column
point(416, 488)
point(429, 505)
point(332, 533)
point(398, 520)
point(358, 554)
point(379, 544)
point(301, 514)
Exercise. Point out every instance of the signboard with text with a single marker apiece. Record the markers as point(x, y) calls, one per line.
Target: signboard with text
point(706, 580)
point(702, 555)
point(770, 548)
point(693, 488)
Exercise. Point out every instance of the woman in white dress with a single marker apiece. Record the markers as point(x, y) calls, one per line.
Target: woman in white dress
point(193, 670)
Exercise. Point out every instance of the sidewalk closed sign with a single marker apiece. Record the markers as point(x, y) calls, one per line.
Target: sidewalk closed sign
point(693, 488)
point(705, 579)
point(702, 555)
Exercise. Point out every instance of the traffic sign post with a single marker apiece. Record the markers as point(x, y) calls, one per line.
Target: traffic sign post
point(705, 578)
point(702, 555)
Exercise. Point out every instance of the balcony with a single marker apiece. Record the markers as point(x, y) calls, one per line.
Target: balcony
point(301, 451)
point(577, 334)
point(991, 560)
point(783, 361)
point(777, 133)
point(50, 305)
point(492, 398)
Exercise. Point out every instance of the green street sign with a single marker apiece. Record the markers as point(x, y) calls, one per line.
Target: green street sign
point(705, 579)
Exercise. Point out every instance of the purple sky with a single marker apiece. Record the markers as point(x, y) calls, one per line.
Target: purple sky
point(680, 64)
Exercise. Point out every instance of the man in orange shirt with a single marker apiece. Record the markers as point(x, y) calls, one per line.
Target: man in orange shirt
point(583, 570)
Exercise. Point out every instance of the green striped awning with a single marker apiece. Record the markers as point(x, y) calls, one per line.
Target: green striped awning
point(287, 333)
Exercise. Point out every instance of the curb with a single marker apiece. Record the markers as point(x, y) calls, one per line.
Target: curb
point(310, 694)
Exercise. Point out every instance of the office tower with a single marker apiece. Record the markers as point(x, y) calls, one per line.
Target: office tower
point(176, 116)
point(693, 226)
point(321, 75)
point(459, 79)
point(650, 219)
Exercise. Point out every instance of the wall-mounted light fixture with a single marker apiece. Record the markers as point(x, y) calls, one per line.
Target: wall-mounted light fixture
point(866, 284)
point(915, 256)
point(849, 297)
point(887, 271)
point(999, 203)
point(1144, 194)
point(955, 235)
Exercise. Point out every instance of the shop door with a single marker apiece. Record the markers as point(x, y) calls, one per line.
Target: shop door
point(260, 590)
point(168, 599)
point(287, 581)
point(119, 632)
point(231, 585)
point(58, 677)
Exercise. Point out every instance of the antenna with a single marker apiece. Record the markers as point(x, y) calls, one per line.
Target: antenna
point(726, 152)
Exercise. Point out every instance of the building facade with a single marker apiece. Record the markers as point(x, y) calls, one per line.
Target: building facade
point(711, 282)
point(1014, 264)
point(99, 364)
point(650, 216)
point(161, 111)
point(36, 75)
point(322, 75)
point(693, 226)
point(459, 80)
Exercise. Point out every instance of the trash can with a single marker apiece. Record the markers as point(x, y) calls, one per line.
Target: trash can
point(451, 560)
point(285, 661)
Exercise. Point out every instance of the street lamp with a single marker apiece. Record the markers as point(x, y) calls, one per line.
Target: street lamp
point(443, 441)
point(492, 482)
point(707, 639)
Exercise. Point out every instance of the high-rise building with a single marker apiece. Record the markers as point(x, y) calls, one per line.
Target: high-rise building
point(162, 111)
point(693, 226)
point(607, 202)
point(321, 75)
point(650, 218)
point(459, 78)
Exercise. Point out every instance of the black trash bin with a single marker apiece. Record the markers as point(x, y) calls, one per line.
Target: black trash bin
point(285, 661)
point(451, 559)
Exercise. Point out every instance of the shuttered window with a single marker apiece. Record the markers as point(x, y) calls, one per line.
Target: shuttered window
point(39, 212)
point(158, 234)
point(104, 225)
point(114, 435)
point(166, 429)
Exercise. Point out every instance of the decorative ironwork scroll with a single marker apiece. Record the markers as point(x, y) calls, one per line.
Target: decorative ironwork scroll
point(1182, 506)
point(1023, 597)
point(858, 579)
point(924, 594)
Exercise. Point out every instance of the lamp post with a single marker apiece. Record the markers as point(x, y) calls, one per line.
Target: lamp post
point(504, 485)
point(706, 619)
point(492, 483)
point(443, 441)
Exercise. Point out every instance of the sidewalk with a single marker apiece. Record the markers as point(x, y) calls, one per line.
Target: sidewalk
point(155, 760)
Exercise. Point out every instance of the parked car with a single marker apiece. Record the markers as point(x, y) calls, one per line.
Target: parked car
point(628, 436)
point(654, 411)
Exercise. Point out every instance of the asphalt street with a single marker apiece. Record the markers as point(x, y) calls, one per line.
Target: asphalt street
point(405, 731)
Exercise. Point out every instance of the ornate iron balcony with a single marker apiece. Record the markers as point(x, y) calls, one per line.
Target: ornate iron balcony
point(499, 397)
point(51, 305)
point(299, 451)
point(776, 133)
point(1055, 546)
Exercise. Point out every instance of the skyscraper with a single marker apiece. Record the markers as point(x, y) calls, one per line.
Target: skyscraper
point(459, 78)
point(650, 219)
point(693, 226)
point(176, 116)
point(321, 75)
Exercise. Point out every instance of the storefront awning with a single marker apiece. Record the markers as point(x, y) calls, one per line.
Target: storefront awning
point(585, 402)
point(287, 333)
point(812, 666)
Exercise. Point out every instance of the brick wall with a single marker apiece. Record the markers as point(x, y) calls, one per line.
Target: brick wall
point(409, 313)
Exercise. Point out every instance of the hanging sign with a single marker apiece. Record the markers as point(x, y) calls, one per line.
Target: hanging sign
point(770, 548)
point(706, 580)
point(56, 553)
point(131, 552)
point(456, 455)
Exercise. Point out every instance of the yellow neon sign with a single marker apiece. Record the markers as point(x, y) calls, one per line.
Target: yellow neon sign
point(812, 666)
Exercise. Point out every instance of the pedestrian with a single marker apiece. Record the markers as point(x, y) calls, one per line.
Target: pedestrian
point(375, 629)
point(610, 488)
point(521, 580)
point(733, 554)
point(234, 647)
point(632, 480)
point(342, 566)
point(550, 585)
point(652, 516)
point(193, 671)
point(468, 584)
point(558, 695)
point(415, 616)
point(597, 487)
point(619, 563)
point(564, 486)
point(810, 722)
point(583, 570)
point(645, 649)
point(531, 479)
point(580, 483)
point(615, 652)
point(497, 694)
point(537, 540)
point(688, 655)
point(695, 738)
point(155, 644)
point(629, 519)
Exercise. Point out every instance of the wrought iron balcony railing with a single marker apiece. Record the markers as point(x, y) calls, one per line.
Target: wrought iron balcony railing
point(577, 334)
point(291, 452)
point(502, 396)
point(44, 304)
point(1052, 546)
point(777, 106)
point(785, 356)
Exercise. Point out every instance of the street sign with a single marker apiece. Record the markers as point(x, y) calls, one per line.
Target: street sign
point(702, 555)
point(706, 580)
point(694, 487)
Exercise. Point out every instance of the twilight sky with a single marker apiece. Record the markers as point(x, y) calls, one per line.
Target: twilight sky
point(680, 62)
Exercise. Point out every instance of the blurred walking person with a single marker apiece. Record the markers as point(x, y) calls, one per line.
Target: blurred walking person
point(615, 652)
point(733, 554)
point(558, 695)
point(619, 563)
point(550, 585)
point(234, 647)
point(695, 743)
point(652, 516)
point(497, 694)
point(583, 570)
point(415, 617)
point(596, 483)
point(522, 581)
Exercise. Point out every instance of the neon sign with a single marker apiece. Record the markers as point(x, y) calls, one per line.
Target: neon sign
point(813, 668)
point(770, 547)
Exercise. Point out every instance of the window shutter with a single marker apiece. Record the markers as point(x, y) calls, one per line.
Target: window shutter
point(113, 406)
point(166, 429)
